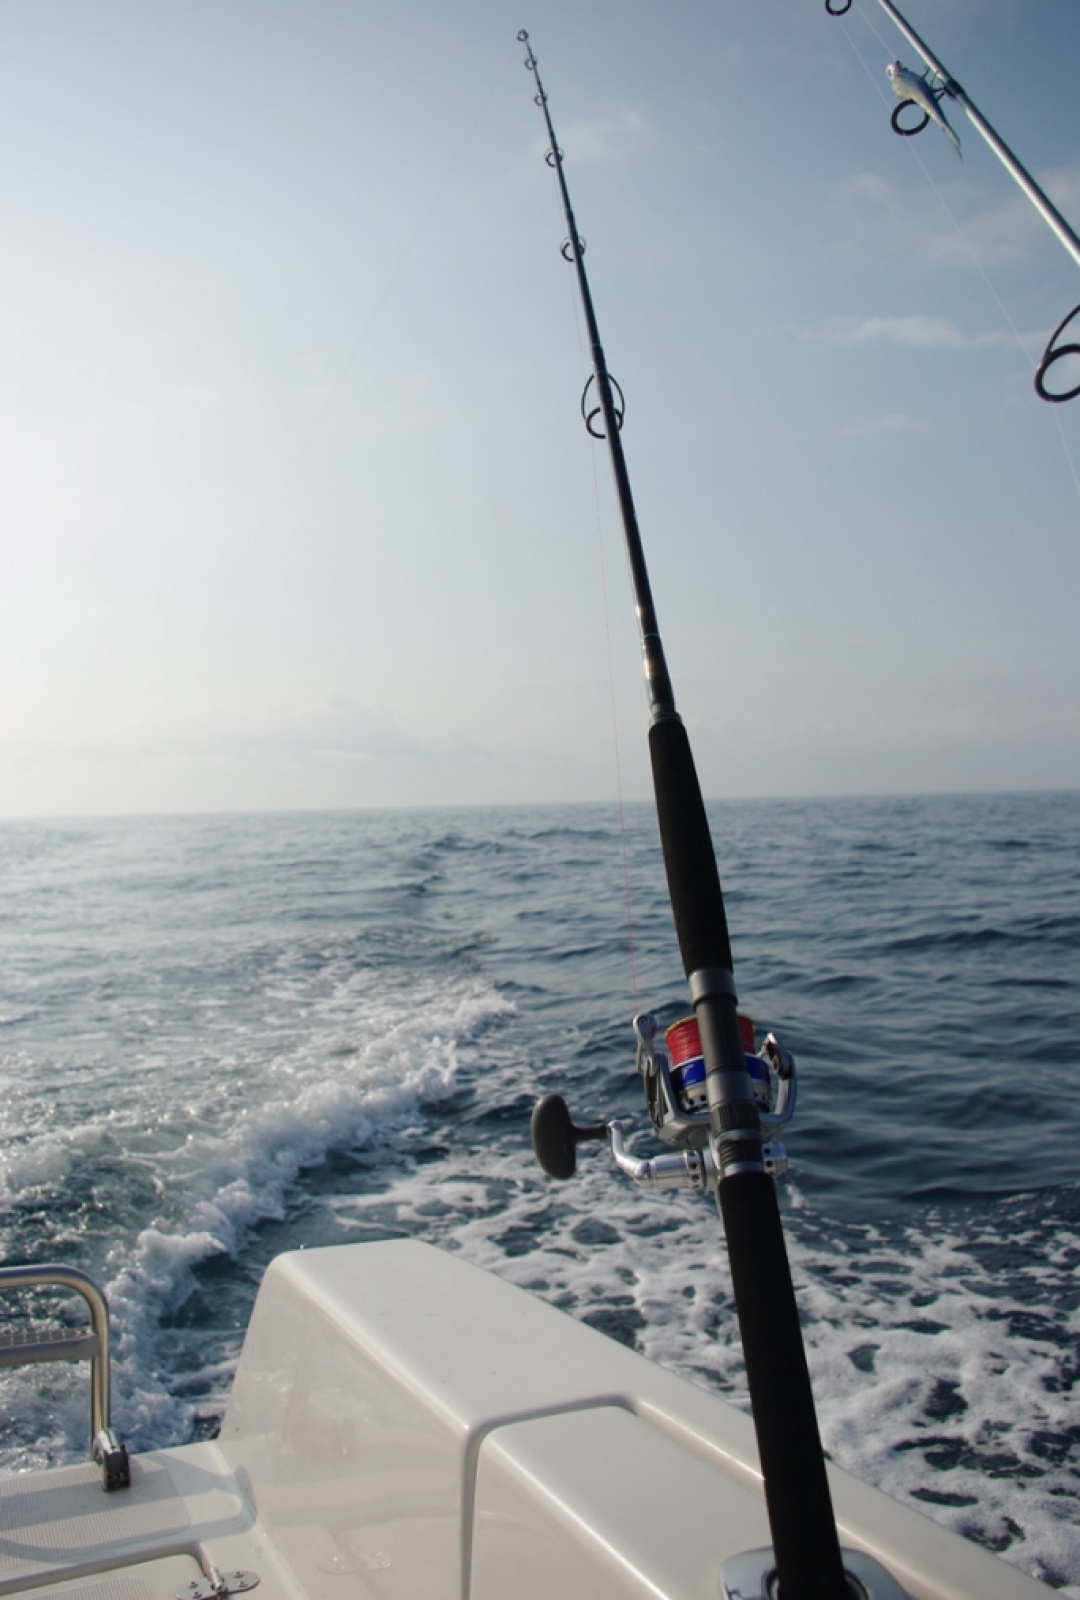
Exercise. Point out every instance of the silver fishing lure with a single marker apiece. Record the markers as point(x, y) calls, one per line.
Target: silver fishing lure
point(908, 85)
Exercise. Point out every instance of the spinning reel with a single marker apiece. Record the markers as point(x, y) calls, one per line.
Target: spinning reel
point(673, 1073)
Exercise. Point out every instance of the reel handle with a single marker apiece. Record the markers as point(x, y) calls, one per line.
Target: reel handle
point(555, 1137)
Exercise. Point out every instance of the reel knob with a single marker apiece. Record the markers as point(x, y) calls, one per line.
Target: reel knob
point(555, 1138)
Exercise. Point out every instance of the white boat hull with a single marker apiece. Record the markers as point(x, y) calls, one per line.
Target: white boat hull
point(404, 1426)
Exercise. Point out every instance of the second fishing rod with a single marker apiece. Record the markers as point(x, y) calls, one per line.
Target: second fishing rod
point(805, 1545)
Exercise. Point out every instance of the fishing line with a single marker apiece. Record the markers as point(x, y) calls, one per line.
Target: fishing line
point(805, 1559)
point(627, 895)
point(1030, 358)
point(617, 750)
point(913, 151)
point(882, 42)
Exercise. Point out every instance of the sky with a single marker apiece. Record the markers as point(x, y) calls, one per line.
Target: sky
point(296, 505)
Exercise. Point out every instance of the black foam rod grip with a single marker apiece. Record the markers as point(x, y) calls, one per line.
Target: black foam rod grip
point(796, 1486)
point(697, 900)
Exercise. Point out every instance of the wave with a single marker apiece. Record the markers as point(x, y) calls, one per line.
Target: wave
point(234, 1036)
point(361, 1083)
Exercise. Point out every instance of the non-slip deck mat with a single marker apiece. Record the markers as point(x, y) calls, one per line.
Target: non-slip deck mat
point(149, 1580)
point(66, 1516)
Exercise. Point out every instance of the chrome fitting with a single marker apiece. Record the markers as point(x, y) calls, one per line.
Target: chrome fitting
point(690, 1169)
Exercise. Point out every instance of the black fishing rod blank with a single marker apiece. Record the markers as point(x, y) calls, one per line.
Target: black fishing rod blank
point(729, 1153)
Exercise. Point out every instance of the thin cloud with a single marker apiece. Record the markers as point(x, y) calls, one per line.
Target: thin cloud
point(601, 139)
point(346, 730)
point(869, 186)
point(1007, 231)
point(991, 226)
point(879, 427)
point(914, 332)
point(338, 729)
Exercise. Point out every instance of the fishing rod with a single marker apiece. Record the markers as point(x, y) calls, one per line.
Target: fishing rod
point(710, 1104)
point(926, 91)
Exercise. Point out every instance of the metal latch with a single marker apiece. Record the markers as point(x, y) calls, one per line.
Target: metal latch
point(110, 1453)
point(216, 1585)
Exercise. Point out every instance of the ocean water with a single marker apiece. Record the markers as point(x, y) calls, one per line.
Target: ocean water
point(222, 1037)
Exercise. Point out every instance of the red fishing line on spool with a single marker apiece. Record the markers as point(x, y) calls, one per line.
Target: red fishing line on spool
point(683, 1041)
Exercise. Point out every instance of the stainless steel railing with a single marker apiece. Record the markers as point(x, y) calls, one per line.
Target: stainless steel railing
point(22, 1347)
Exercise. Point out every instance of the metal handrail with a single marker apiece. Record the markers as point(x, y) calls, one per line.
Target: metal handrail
point(66, 1347)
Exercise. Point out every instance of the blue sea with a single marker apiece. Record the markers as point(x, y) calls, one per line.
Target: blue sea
point(226, 1036)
